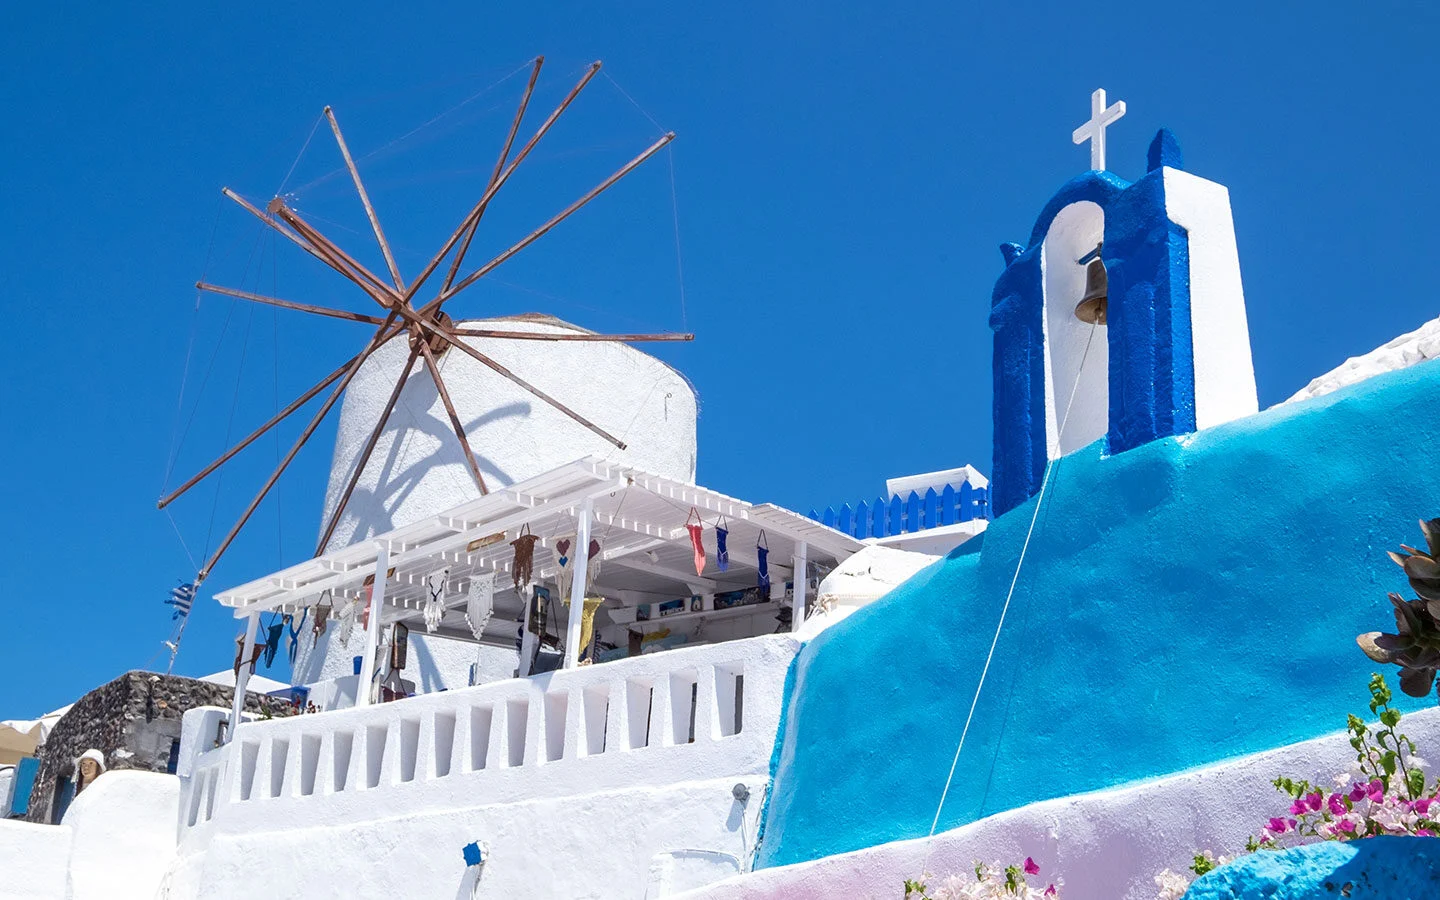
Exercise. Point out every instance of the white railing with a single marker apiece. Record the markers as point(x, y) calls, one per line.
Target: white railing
point(642, 721)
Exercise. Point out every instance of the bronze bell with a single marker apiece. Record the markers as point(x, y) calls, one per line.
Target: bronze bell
point(1091, 308)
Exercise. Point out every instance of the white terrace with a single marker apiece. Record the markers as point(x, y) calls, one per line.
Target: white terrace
point(645, 560)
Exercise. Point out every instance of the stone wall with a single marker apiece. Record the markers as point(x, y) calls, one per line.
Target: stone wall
point(133, 721)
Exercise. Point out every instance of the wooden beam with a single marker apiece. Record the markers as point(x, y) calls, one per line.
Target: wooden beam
point(424, 344)
point(684, 577)
point(365, 200)
point(289, 304)
point(495, 176)
point(484, 360)
point(375, 343)
point(557, 219)
point(568, 336)
point(474, 214)
point(338, 259)
point(375, 433)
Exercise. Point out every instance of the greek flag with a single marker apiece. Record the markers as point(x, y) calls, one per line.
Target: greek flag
point(181, 597)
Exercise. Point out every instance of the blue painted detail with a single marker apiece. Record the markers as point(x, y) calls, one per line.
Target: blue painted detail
point(1144, 626)
point(1152, 363)
point(829, 517)
point(967, 502)
point(1152, 368)
point(897, 524)
point(25, 771)
point(1164, 151)
point(1379, 868)
point(948, 512)
point(474, 856)
point(930, 512)
point(877, 518)
point(862, 521)
point(1011, 251)
point(843, 520)
point(912, 512)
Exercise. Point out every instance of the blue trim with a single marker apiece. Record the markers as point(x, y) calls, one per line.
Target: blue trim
point(1164, 151)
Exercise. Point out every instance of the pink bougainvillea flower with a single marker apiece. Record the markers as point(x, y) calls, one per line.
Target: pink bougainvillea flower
point(1298, 808)
point(1030, 867)
point(1358, 792)
point(1376, 791)
point(1279, 826)
point(1422, 806)
point(1345, 825)
point(1337, 805)
point(1051, 892)
point(1314, 800)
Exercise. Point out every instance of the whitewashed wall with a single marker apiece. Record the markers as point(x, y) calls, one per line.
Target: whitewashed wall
point(1107, 845)
point(116, 842)
point(1077, 354)
point(515, 435)
point(576, 781)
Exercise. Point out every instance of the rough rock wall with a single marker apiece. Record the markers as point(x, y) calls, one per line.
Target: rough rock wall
point(133, 721)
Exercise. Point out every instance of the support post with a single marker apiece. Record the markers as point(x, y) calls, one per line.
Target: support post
point(372, 630)
point(237, 704)
point(577, 584)
point(797, 615)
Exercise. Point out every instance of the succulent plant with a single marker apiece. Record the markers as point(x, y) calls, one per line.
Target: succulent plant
point(1415, 648)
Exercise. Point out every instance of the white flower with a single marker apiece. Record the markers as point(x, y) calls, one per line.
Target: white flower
point(1343, 780)
point(1172, 885)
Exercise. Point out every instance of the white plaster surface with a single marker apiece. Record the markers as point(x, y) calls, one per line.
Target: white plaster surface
point(1408, 349)
point(1107, 845)
point(115, 843)
point(576, 780)
point(1220, 332)
point(936, 541)
point(33, 860)
point(918, 484)
point(1071, 368)
point(515, 435)
point(863, 578)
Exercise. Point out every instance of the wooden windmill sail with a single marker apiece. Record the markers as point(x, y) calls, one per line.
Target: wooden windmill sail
point(428, 329)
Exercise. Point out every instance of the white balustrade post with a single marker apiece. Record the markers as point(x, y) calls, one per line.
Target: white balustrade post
point(237, 704)
point(372, 630)
point(797, 616)
point(577, 584)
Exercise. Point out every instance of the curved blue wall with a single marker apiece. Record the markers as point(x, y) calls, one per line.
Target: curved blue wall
point(1190, 600)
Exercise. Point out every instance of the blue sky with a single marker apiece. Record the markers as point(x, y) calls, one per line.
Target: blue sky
point(843, 176)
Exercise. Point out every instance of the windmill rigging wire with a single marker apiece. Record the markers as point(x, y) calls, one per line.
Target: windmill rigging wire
point(189, 351)
point(414, 131)
point(1050, 466)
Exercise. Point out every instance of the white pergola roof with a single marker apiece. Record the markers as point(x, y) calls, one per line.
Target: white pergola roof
point(638, 518)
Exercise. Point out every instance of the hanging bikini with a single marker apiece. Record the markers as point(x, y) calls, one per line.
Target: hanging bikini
point(273, 633)
point(696, 529)
point(762, 561)
point(722, 552)
point(294, 646)
point(522, 568)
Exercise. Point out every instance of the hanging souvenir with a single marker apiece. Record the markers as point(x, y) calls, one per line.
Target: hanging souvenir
point(294, 646)
point(696, 529)
point(273, 633)
point(364, 612)
point(522, 568)
point(347, 616)
point(480, 602)
point(722, 552)
point(592, 565)
point(240, 655)
point(399, 646)
point(323, 607)
point(434, 605)
point(563, 547)
point(762, 561)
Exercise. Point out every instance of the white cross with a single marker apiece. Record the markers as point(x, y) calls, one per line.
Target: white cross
point(1093, 131)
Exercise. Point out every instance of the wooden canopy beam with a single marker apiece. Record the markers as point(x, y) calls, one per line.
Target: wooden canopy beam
point(289, 304)
point(455, 422)
point(365, 200)
point(556, 219)
point(495, 175)
point(375, 343)
point(374, 439)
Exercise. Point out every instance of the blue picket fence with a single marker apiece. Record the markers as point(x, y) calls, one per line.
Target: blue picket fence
point(883, 518)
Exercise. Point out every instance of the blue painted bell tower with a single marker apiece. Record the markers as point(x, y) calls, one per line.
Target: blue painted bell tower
point(1170, 353)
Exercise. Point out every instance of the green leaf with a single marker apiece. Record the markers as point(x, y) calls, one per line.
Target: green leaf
point(1390, 717)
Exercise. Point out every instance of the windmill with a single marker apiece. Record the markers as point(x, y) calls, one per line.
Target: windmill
point(429, 330)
